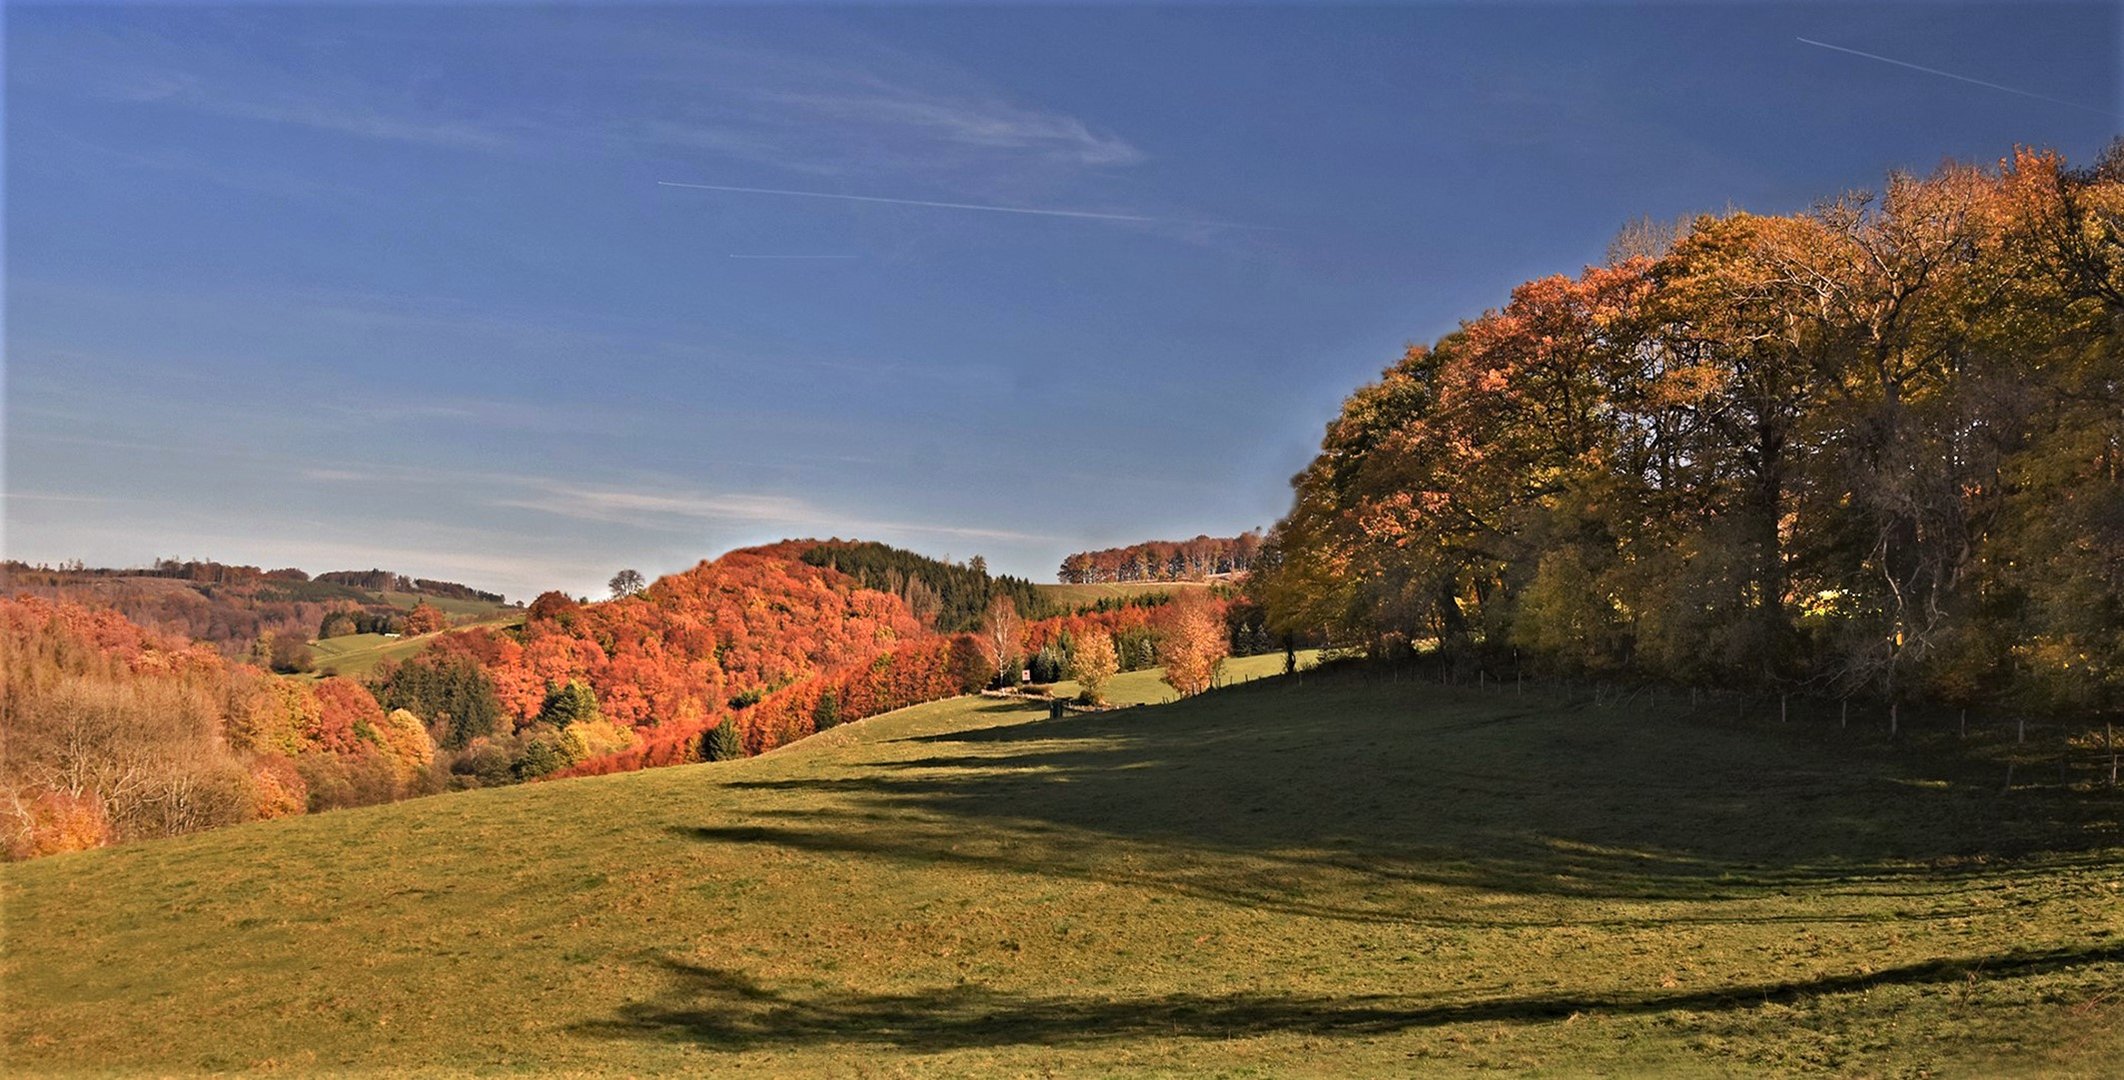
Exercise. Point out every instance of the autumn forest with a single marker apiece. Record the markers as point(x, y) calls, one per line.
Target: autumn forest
point(1869, 451)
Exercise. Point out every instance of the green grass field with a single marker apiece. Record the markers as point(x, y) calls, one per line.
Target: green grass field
point(450, 605)
point(1325, 876)
point(1082, 595)
point(1148, 688)
point(356, 655)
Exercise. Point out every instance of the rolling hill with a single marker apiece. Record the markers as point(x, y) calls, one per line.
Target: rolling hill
point(1325, 875)
point(230, 607)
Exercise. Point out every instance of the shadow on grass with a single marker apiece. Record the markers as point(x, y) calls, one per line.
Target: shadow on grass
point(727, 1010)
point(1335, 799)
point(1347, 890)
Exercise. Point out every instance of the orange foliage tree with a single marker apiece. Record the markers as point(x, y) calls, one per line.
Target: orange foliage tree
point(1193, 644)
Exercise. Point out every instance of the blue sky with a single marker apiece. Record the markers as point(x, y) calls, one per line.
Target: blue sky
point(389, 286)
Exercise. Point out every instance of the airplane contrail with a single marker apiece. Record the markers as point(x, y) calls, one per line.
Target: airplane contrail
point(1089, 215)
point(1957, 78)
point(796, 256)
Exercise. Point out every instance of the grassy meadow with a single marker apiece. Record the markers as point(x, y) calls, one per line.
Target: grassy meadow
point(1325, 875)
point(453, 606)
point(1092, 593)
point(356, 655)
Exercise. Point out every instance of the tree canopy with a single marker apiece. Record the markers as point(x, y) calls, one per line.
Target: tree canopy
point(1871, 448)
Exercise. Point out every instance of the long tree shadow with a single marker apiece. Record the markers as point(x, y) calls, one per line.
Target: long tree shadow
point(1246, 794)
point(728, 1010)
point(1304, 885)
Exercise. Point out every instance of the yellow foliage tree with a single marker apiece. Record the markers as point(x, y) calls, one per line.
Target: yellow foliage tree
point(1092, 662)
point(405, 740)
point(1194, 645)
point(597, 737)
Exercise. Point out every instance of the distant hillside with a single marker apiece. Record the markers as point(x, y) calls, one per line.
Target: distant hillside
point(772, 646)
point(738, 655)
point(233, 607)
point(386, 581)
point(1164, 560)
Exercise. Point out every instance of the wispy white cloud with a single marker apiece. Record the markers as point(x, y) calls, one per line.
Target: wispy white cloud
point(145, 69)
point(593, 503)
point(339, 117)
point(851, 106)
point(991, 124)
point(658, 507)
point(619, 506)
point(47, 496)
point(1089, 215)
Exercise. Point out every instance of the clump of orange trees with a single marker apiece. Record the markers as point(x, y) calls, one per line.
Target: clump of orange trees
point(113, 732)
point(776, 645)
point(1164, 560)
point(1876, 448)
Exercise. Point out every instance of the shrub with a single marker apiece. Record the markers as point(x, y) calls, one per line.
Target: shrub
point(338, 624)
point(543, 752)
point(482, 764)
point(722, 742)
point(1049, 665)
point(826, 712)
point(568, 704)
point(451, 691)
point(289, 654)
point(50, 823)
point(277, 787)
point(425, 618)
point(971, 665)
point(597, 737)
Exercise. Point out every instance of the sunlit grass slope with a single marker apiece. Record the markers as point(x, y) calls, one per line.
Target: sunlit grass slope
point(1082, 595)
point(1148, 687)
point(1339, 877)
point(356, 655)
point(453, 606)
